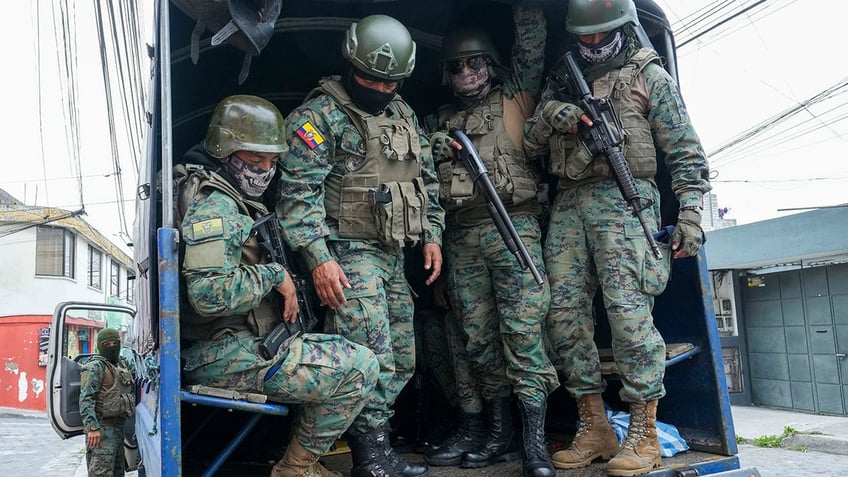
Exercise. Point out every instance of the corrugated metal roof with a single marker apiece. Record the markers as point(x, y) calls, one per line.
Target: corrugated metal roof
point(23, 214)
point(814, 238)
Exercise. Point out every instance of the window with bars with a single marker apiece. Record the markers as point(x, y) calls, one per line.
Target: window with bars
point(95, 263)
point(55, 252)
point(115, 279)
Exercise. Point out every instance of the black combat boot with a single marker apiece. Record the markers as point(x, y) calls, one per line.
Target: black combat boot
point(470, 435)
point(367, 451)
point(398, 464)
point(537, 462)
point(501, 444)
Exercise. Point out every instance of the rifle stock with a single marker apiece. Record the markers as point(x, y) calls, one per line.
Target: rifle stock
point(271, 240)
point(602, 139)
point(480, 176)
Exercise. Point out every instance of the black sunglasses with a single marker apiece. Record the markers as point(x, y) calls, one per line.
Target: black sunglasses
point(475, 63)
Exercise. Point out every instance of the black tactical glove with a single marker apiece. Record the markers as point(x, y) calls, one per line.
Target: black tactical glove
point(688, 234)
point(440, 144)
point(561, 116)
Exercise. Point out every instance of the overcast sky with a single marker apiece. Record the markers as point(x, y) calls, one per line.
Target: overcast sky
point(790, 52)
point(757, 66)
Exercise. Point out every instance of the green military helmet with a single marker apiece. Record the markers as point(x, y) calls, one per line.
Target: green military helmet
point(467, 42)
point(587, 17)
point(107, 334)
point(380, 46)
point(244, 123)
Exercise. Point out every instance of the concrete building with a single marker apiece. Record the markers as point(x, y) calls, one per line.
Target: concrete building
point(781, 300)
point(714, 214)
point(48, 256)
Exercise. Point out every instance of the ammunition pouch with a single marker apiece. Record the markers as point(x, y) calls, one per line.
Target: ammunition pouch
point(403, 218)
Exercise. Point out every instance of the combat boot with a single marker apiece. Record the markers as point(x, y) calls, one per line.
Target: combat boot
point(641, 451)
point(299, 462)
point(594, 439)
point(470, 435)
point(501, 444)
point(537, 463)
point(367, 451)
point(398, 464)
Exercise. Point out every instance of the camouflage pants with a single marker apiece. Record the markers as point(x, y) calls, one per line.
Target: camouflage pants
point(594, 241)
point(328, 375)
point(501, 310)
point(107, 460)
point(377, 315)
point(443, 346)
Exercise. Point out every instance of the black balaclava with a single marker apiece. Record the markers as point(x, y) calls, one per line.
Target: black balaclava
point(369, 100)
point(111, 353)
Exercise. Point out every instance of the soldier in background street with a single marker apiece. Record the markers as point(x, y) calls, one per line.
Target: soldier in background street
point(107, 399)
point(500, 306)
point(595, 242)
point(358, 188)
point(223, 185)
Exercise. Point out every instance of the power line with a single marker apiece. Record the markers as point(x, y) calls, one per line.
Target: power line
point(776, 120)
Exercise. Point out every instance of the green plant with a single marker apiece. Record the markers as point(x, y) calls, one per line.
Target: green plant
point(741, 440)
point(768, 441)
point(773, 440)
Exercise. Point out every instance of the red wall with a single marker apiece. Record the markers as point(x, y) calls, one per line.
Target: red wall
point(23, 383)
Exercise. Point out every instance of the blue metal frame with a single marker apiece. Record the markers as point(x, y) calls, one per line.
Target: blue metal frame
point(169, 352)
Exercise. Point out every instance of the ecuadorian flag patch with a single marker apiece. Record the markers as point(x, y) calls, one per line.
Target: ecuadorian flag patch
point(310, 136)
point(208, 228)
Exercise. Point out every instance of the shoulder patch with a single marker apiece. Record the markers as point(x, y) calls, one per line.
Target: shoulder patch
point(208, 228)
point(310, 135)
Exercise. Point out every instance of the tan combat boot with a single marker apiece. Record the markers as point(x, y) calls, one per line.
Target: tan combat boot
point(594, 439)
point(641, 451)
point(299, 462)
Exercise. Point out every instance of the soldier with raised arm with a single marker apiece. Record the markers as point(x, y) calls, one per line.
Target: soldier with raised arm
point(500, 306)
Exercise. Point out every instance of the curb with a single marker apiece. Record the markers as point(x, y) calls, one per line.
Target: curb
point(27, 413)
point(817, 442)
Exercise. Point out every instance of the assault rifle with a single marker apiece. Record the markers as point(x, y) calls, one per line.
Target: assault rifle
point(480, 176)
point(604, 137)
point(271, 239)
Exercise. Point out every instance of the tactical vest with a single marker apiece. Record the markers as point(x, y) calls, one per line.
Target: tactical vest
point(569, 159)
point(382, 195)
point(484, 125)
point(116, 397)
point(189, 181)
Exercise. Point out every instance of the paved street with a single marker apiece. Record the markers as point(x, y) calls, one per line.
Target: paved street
point(29, 446)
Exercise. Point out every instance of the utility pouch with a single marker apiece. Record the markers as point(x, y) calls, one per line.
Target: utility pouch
point(455, 183)
point(402, 220)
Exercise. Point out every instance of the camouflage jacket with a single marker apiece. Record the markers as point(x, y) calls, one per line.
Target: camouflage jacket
point(307, 165)
point(226, 277)
point(657, 96)
point(497, 129)
point(105, 392)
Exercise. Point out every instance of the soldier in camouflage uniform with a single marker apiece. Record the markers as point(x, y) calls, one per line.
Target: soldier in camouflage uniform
point(107, 399)
point(596, 242)
point(224, 185)
point(359, 187)
point(500, 306)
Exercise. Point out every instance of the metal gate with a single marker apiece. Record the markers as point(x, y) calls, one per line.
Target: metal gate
point(796, 325)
